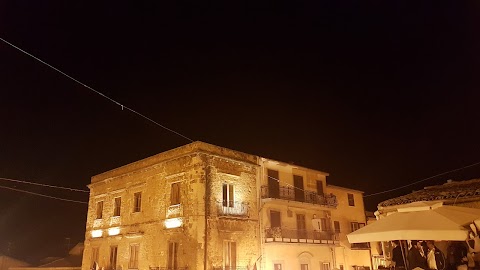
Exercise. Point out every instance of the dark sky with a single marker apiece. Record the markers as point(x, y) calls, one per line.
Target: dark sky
point(377, 93)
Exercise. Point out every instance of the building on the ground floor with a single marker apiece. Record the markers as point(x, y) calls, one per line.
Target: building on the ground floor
point(206, 207)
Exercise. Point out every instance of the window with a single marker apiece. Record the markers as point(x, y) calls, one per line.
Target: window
point(99, 209)
point(301, 226)
point(172, 255)
point(336, 225)
point(298, 188)
point(113, 257)
point(228, 195)
point(117, 204)
point(273, 184)
point(137, 202)
point(351, 199)
point(341, 266)
point(175, 194)
point(275, 219)
point(354, 226)
point(325, 266)
point(133, 262)
point(229, 255)
point(95, 256)
point(325, 226)
point(319, 187)
point(303, 266)
point(277, 266)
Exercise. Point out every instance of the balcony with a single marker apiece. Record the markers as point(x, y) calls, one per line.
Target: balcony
point(292, 194)
point(232, 209)
point(174, 211)
point(299, 236)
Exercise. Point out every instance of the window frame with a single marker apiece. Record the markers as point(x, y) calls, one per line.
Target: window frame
point(175, 194)
point(172, 256)
point(99, 210)
point(228, 195)
point(351, 199)
point(117, 206)
point(113, 257)
point(229, 255)
point(133, 256)
point(137, 202)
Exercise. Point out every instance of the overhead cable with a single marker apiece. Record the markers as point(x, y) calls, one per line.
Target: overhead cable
point(43, 195)
point(97, 92)
point(419, 181)
point(43, 185)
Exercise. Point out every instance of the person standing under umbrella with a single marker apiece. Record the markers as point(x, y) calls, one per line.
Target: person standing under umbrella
point(397, 256)
point(435, 257)
point(416, 257)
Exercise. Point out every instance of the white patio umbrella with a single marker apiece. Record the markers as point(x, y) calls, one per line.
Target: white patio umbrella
point(419, 221)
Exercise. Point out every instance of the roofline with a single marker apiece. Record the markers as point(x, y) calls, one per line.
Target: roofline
point(191, 148)
point(351, 189)
point(295, 165)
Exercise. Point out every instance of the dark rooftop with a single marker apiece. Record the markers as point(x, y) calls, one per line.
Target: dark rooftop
point(452, 190)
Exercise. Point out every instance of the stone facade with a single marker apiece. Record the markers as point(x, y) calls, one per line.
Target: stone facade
point(205, 207)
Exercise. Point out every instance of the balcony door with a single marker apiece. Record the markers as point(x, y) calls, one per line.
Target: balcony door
point(273, 184)
point(301, 227)
point(299, 191)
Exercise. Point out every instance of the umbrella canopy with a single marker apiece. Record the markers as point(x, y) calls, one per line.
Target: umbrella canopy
point(419, 221)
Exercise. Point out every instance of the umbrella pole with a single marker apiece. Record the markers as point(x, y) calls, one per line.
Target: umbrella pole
point(403, 249)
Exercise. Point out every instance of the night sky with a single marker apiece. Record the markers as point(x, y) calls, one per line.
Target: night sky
point(379, 94)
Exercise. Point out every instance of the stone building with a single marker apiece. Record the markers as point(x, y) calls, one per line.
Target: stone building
point(205, 207)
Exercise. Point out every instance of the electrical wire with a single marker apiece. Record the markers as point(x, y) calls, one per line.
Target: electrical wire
point(419, 181)
point(43, 185)
point(43, 195)
point(97, 92)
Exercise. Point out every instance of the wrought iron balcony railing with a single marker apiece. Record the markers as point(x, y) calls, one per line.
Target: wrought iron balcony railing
point(174, 211)
point(294, 194)
point(278, 234)
point(232, 209)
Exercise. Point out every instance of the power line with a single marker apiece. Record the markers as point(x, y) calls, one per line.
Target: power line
point(428, 178)
point(43, 185)
point(97, 92)
point(42, 195)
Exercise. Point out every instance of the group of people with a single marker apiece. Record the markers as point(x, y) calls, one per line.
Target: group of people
point(424, 255)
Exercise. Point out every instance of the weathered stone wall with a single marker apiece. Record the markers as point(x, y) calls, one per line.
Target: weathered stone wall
point(195, 166)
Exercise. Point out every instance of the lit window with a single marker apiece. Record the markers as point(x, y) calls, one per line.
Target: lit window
point(175, 194)
point(99, 210)
point(117, 206)
point(228, 198)
point(137, 202)
point(97, 233)
point(133, 261)
point(172, 255)
point(229, 255)
point(114, 231)
point(351, 199)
